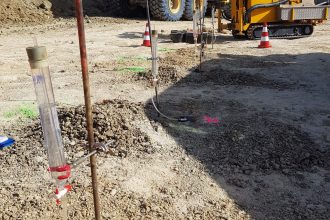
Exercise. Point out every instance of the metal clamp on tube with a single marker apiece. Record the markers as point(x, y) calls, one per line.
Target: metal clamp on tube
point(98, 148)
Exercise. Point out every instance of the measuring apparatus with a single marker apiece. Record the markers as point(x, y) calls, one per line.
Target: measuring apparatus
point(53, 144)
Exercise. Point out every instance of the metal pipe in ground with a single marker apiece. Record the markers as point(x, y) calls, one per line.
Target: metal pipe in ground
point(88, 104)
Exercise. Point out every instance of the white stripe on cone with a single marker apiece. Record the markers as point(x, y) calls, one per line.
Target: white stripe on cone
point(265, 38)
point(146, 37)
point(264, 29)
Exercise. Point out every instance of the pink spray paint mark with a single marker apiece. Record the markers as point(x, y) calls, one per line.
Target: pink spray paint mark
point(210, 120)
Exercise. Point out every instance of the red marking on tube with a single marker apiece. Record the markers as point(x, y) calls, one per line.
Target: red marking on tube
point(63, 177)
point(65, 168)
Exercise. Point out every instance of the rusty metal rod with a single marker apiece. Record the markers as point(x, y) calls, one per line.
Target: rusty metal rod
point(88, 104)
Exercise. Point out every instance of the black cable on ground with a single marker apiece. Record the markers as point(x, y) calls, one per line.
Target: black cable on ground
point(156, 105)
point(150, 31)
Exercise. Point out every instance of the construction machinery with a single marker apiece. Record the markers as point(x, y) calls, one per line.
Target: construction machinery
point(165, 10)
point(285, 18)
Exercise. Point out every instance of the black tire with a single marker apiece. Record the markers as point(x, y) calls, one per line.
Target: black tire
point(190, 7)
point(226, 13)
point(161, 10)
point(122, 8)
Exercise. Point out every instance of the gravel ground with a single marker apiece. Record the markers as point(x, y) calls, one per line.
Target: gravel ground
point(257, 146)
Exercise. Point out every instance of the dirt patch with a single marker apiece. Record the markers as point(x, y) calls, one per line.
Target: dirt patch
point(16, 11)
point(244, 143)
point(113, 120)
point(184, 57)
point(247, 152)
point(255, 144)
point(256, 62)
point(166, 75)
point(226, 77)
point(196, 170)
point(41, 11)
point(172, 67)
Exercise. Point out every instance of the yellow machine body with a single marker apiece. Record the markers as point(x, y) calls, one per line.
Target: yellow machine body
point(259, 15)
point(262, 14)
point(272, 15)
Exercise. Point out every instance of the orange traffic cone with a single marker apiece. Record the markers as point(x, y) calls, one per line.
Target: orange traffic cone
point(146, 37)
point(264, 43)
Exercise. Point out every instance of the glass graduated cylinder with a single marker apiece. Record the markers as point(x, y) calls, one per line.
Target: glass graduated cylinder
point(154, 43)
point(50, 124)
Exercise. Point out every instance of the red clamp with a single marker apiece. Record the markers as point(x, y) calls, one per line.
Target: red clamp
point(65, 168)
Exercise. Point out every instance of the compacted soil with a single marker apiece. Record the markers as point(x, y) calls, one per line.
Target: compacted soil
point(256, 144)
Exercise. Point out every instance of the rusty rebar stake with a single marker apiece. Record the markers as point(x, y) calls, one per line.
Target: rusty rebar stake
point(88, 104)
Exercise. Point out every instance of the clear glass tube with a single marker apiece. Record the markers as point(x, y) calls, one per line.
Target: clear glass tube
point(154, 43)
point(195, 27)
point(48, 115)
point(213, 21)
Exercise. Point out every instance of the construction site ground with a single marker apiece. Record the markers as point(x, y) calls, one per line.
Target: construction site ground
point(264, 155)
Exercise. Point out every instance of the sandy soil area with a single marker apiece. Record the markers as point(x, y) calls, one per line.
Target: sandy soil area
point(267, 157)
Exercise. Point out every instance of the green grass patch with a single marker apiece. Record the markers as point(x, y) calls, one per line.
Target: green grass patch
point(123, 59)
point(133, 69)
point(10, 114)
point(25, 111)
point(164, 49)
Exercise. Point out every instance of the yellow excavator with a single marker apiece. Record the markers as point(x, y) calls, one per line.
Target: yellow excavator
point(285, 18)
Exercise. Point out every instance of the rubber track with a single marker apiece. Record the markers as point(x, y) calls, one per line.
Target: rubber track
point(159, 10)
point(253, 27)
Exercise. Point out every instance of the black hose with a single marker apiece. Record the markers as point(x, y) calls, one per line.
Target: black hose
point(150, 32)
point(249, 11)
point(156, 105)
point(225, 16)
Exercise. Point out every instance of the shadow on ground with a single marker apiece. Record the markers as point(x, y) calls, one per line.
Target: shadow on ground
point(253, 130)
point(131, 35)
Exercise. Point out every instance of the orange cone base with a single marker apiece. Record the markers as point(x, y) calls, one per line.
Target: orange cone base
point(146, 43)
point(264, 45)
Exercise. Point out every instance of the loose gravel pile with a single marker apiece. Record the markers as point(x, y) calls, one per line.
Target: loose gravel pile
point(223, 76)
point(112, 121)
point(250, 144)
point(173, 67)
point(41, 11)
point(28, 196)
point(245, 143)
